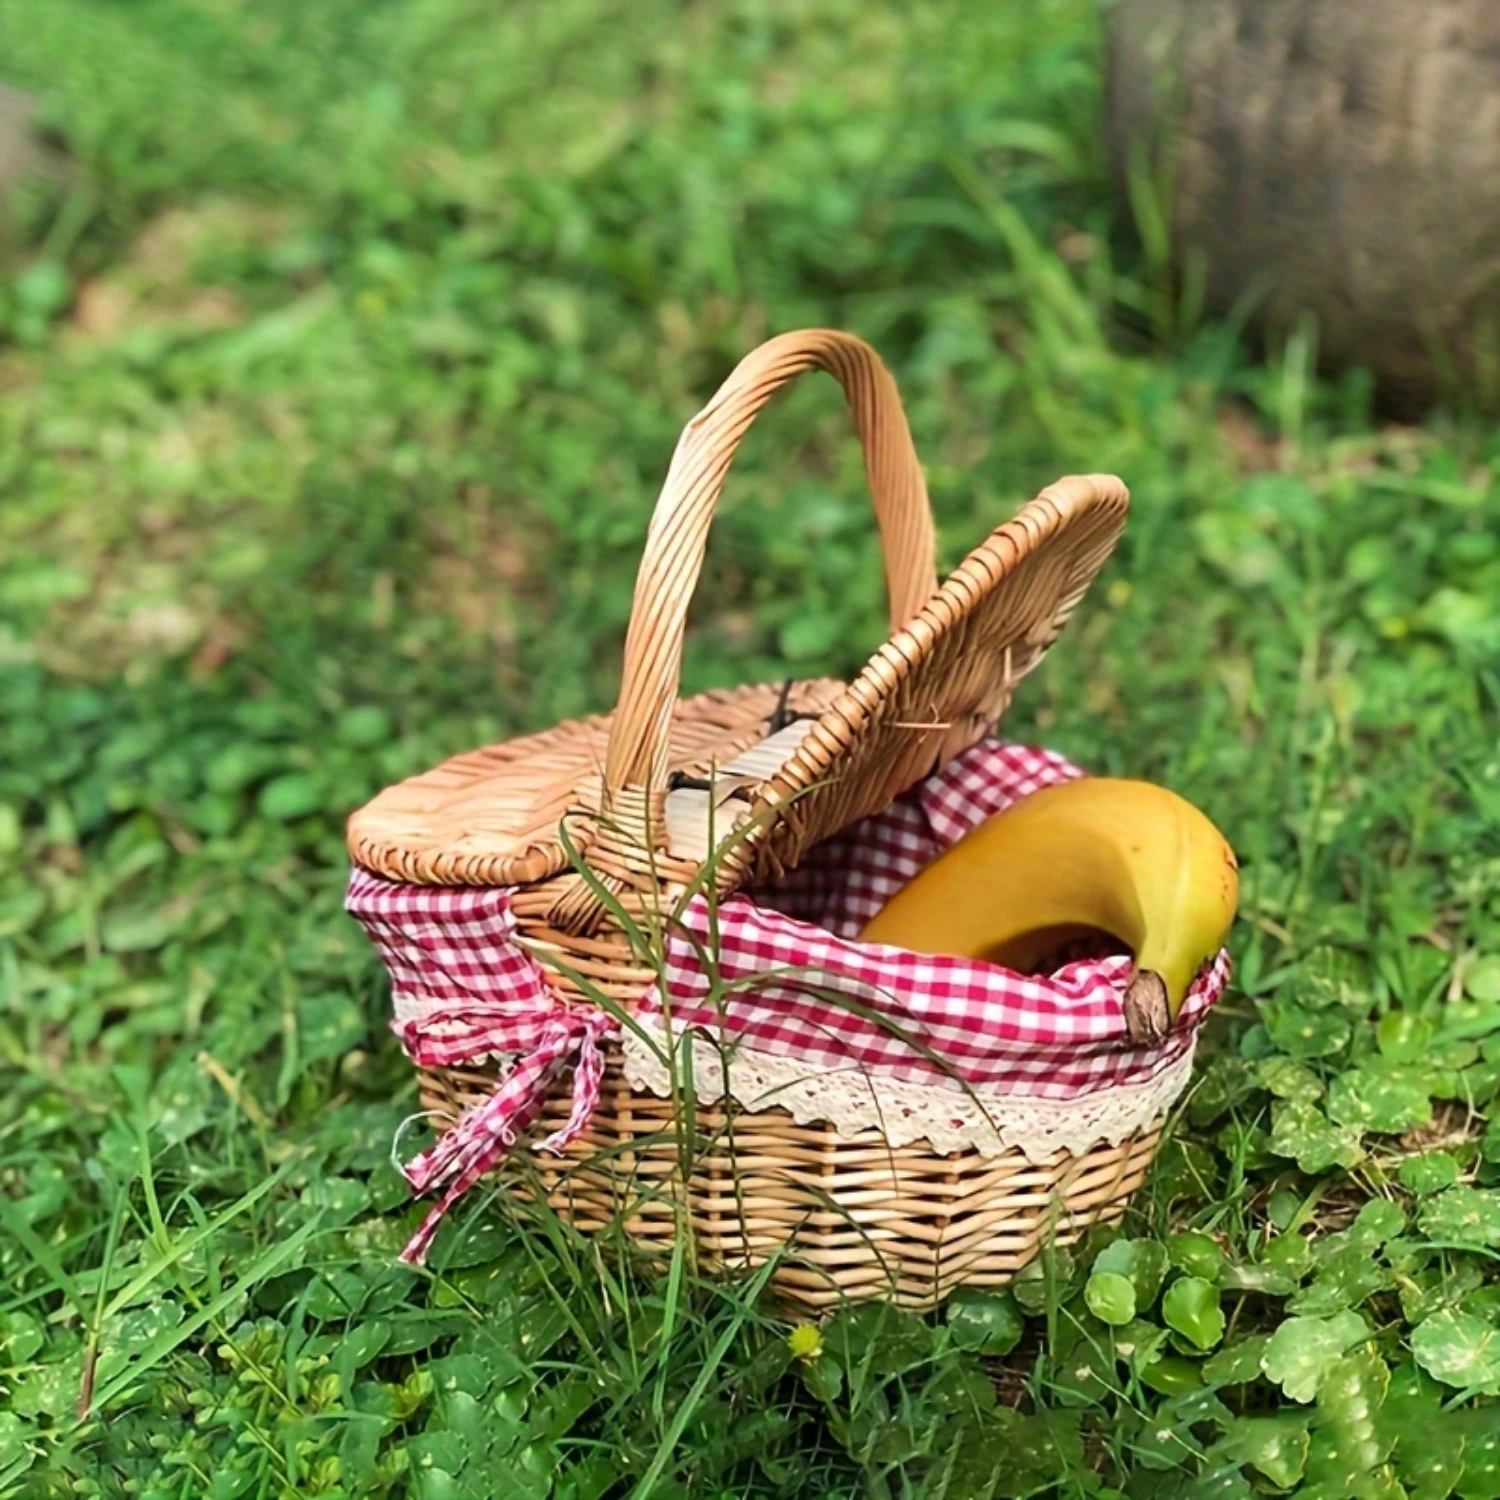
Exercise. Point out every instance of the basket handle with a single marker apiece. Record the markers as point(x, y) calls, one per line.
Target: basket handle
point(678, 536)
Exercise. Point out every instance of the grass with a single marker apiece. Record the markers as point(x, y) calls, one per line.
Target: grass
point(338, 379)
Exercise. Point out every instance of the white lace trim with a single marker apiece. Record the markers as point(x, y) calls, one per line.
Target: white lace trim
point(943, 1113)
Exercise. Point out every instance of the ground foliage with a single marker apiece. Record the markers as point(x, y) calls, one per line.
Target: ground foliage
point(337, 380)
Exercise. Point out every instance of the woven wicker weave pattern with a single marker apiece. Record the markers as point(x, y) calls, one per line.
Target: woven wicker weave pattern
point(908, 1223)
point(859, 1218)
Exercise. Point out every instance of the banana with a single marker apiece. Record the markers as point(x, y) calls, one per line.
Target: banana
point(1095, 855)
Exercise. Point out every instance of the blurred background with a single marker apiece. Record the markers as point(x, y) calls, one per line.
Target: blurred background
point(337, 332)
point(343, 347)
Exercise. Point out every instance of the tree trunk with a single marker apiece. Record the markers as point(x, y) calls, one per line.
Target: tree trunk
point(1338, 159)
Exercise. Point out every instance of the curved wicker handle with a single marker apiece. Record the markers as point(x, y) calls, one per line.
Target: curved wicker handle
point(678, 535)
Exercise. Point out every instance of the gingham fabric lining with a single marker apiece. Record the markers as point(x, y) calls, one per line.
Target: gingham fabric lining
point(450, 951)
point(797, 991)
point(466, 990)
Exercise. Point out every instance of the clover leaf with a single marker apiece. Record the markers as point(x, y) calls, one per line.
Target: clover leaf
point(1303, 1350)
point(1274, 1446)
point(1387, 1100)
point(1196, 1254)
point(1110, 1297)
point(1429, 1173)
point(1142, 1262)
point(1403, 1037)
point(1300, 1130)
point(1463, 1216)
point(1191, 1308)
point(986, 1322)
point(1459, 1349)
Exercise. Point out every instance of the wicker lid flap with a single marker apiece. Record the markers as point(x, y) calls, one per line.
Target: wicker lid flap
point(941, 683)
point(935, 687)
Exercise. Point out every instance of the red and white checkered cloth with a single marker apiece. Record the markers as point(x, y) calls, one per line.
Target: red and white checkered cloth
point(465, 990)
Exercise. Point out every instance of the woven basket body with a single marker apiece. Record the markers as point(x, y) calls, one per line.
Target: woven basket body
point(852, 1218)
point(849, 1217)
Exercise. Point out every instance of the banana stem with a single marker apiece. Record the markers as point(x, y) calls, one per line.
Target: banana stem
point(1147, 1014)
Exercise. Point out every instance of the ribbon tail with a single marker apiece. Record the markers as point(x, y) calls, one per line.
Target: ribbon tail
point(587, 1073)
point(415, 1251)
point(473, 1146)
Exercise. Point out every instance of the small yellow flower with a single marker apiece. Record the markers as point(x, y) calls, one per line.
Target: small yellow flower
point(805, 1341)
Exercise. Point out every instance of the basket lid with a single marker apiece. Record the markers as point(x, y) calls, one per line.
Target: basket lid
point(786, 765)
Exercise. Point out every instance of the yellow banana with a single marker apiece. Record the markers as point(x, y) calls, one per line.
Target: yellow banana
point(1096, 855)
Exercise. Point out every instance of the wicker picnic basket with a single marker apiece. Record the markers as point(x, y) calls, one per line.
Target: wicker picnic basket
point(848, 1216)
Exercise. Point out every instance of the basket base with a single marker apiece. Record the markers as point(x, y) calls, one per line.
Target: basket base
point(848, 1219)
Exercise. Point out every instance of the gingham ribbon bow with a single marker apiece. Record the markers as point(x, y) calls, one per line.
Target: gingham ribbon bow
point(546, 1040)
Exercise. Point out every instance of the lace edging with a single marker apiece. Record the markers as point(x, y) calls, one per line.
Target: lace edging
point(941, 1112)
